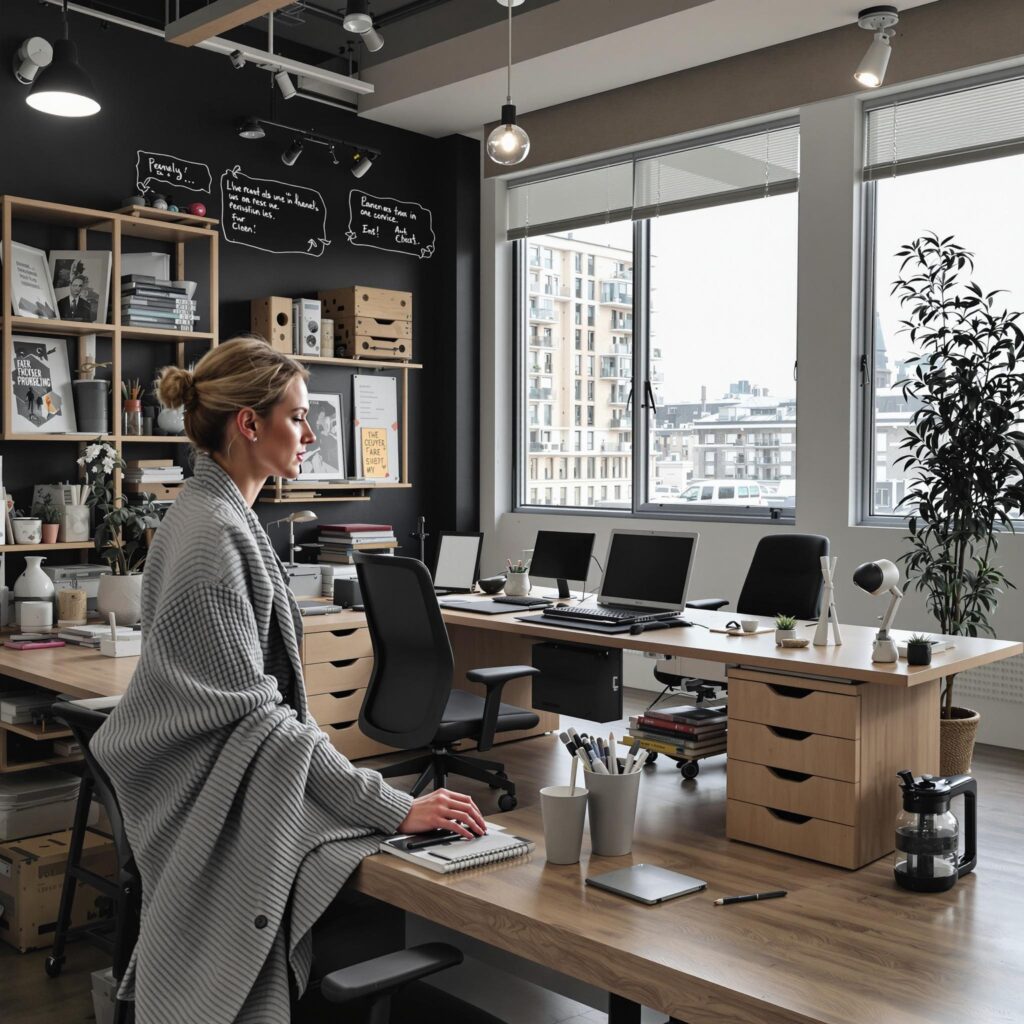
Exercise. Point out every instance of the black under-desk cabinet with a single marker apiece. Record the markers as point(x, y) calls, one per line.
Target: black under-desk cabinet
point(579, 681)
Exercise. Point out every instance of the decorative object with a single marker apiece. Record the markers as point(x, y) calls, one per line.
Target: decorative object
point(375, 422)
point(919, 650)
point(74, 523)
point(159, 202)
point(967, 357)
point(828, 605)
point(197, 210)
point(32, 585)
point(881, 577)
point(304, 515)
point(134, 201)
point(40, 392)
point(957, 734)
point(508, 144)
point(49, 513)
point(491, 584)
point(35, 614)
point(63, 88)
point(172, 208)
point(171, 421)
point(81, 283)
point(325, 457)
point(27, 529)
point(71, 606)
point(31, 287)
point(131, 394)
point(785, 628)
point(120, 596)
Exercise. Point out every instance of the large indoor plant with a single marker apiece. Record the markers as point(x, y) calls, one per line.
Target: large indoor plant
point(964, 447)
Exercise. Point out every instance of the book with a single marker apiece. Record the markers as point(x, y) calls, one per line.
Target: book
point(675, 740)
point(356, 528)
point(689, 714)
point(459, 854)
point(149, 463)
point(676, 750)
point(340, 538)
point(682, 728)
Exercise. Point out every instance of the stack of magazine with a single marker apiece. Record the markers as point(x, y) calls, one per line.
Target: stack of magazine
point(148, 301)
point(90, 635)
point(684, 732)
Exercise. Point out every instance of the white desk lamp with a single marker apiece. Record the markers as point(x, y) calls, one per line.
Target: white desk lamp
point(882, 577)
point(302, 516)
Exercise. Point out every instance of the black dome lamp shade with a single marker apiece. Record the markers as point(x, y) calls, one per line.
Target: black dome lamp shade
point(63, 88)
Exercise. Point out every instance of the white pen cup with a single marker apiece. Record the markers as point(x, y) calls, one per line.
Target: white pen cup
point(612, 805)
point(749, 625)
point(564, 810)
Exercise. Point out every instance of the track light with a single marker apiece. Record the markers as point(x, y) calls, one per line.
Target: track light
point(372, 40)
point(879, 20)
point(237, 59)
point(508, 144)
point(357, 17)
point(33, 55)
point(292, 153)
point(250, 128)
point(362, 162)
point(63, 88)
point(285, 84)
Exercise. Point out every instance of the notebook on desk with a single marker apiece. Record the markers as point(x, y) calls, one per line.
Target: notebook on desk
point(459, 853)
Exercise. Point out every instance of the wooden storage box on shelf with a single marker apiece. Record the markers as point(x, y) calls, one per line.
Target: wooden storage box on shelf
point(271, 318)
point(360, 337)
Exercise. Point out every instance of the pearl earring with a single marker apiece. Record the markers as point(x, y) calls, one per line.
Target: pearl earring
point(253, 438)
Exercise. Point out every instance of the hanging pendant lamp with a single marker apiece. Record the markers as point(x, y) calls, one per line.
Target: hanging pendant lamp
point(63, 88)
point(508, 144)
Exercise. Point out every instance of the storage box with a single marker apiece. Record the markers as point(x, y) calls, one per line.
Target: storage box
point(358, 300)
point(37, 802)
point(583, 682)
point(31, 877)
point(373, 338)
point(306, 330)
point(271, 318)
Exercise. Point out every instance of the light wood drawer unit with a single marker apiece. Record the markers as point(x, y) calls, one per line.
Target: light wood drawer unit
point(337, 676)
point(799, 792)
point(337, 708)
point(336, 645)
point(795, 707)
point(792, 833)
point(797, 750)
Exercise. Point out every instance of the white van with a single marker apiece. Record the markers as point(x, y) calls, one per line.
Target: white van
point(724, 492)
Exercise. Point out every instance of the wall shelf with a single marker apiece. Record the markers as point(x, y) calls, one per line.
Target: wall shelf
point(38, 325)
point(359, 364)
point(64, 545)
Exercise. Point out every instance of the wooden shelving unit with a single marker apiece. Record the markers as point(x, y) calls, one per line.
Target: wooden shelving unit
point(31, 549)
point(37, 734)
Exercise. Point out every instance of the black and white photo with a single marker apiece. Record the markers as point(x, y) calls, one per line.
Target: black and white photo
point(81, 283)
point(325, 457)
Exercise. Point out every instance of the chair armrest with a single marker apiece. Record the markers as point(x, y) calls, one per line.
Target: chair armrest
point(494, 679)
point(710, 604)
point(385, 974)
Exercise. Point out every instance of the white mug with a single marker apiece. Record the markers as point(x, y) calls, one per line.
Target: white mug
point(35, 614)
point(749, 625)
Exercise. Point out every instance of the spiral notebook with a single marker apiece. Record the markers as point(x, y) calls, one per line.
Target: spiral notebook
point(459, 853)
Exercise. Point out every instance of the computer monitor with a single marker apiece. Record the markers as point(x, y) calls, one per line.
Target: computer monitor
point(458, 562)
point(562, 557)
point(648, 569)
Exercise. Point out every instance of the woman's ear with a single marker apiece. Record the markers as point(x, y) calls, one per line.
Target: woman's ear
point(248, 423)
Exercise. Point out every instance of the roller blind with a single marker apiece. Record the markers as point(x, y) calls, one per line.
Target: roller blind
point(981, 121)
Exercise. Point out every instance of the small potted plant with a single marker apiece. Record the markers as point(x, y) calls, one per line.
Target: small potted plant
point(785, 628)
point(49, 513)
point(919, 650)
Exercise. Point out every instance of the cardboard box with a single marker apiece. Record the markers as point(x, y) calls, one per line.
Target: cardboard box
point(31, 877)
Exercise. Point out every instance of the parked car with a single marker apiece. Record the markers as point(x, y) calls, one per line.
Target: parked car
point(723, 492)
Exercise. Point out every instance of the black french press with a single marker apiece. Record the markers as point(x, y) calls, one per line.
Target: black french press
point(927, 832)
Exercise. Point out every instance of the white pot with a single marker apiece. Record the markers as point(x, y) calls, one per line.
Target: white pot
point(171, 421)
point(517, 584)
point(784, 634)
point(27, 529)
point(121, 595)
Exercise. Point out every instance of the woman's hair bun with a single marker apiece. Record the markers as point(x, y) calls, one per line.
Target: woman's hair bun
point(176, 387)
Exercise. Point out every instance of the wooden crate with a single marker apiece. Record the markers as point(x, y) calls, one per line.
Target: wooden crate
point(271, 318)
point(358, 300)
point(362, 347)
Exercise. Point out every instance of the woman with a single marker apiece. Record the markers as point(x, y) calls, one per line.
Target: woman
point(245, 822)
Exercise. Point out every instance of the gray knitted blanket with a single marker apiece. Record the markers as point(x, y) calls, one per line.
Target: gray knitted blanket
point(244, 820)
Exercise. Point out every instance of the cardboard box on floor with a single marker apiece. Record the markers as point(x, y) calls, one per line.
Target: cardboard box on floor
point(31, 877)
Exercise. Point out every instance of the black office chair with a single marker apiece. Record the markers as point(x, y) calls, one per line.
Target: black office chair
point(410, 701)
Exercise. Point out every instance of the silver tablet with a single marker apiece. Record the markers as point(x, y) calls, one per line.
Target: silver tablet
point(647, 883)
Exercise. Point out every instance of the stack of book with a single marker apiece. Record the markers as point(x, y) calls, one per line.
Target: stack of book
point(683, 732)
point(157, 302)
point(91, 634)
point(339, 542)
point(159, 477)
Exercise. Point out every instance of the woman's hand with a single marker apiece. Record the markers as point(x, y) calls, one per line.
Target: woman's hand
point(444, 809)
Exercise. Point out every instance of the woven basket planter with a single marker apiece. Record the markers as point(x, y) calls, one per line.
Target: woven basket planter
point(956, 741)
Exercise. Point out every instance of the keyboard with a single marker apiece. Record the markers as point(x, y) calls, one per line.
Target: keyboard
point(596, 613)
point(523, 602)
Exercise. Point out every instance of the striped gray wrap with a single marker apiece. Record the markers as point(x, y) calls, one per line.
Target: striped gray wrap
point(244, 820)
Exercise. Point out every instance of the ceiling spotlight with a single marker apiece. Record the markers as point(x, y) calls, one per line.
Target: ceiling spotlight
point(372, 40)
point(237, 59)
point(511, 3)
point(357, 17)
point(63, 88)
point(292, 153)
point(33, 55)
point(362, 162)
point(508, 144)
point(879, 20)
point(285, 84)
point(250, 128)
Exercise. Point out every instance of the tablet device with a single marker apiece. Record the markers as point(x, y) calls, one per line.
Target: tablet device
point(647, 883)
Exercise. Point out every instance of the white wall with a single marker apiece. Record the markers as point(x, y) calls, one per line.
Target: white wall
point(827, 398)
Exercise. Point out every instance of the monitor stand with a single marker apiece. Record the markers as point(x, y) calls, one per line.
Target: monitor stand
point(563, 589)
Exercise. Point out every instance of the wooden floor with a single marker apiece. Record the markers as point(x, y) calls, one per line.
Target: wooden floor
point(27, 996)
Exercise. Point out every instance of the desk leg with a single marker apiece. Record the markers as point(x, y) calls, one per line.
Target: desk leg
point(625, 1011)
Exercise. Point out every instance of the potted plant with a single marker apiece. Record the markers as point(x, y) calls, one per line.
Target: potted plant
point(919, 650)
point(49, 515)
point(785, 628)
point(121, 535)
point(964, 451)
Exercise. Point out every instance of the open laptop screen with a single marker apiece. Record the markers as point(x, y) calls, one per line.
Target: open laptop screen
point(648, 569)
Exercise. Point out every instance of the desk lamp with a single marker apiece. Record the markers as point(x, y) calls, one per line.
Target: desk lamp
point(881, 577)
point(304, 515)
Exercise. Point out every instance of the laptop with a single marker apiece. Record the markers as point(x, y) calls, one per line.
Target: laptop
point(458, 562)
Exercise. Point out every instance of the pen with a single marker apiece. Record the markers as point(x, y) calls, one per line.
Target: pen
point(628, 767)
point(596, 763)
point(421, 844)
point(641, 759)
point(726, 900)
point(613, 758)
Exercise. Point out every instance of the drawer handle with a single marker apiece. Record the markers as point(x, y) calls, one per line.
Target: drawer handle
point(343, 725)
point(343, 632)
point(341, 694)
point(795, 692)
point(344, 663)
point(789, 734)
point(788, 774)
point(796, 819)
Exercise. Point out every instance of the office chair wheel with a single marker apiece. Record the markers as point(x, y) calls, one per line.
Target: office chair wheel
point(690, 769)
point(53, 966)
point(507, 802)
point(651, 758)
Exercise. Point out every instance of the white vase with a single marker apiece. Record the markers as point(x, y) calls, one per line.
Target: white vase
point(33, 584)
point(27, 529)
point(121, 595)
point(517, 584)
point(171, 421)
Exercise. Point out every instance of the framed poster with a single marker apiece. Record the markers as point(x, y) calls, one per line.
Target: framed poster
point(325, 457)
point(375, 426)
point(81, 283)
point(31, 288)
point(41, 398)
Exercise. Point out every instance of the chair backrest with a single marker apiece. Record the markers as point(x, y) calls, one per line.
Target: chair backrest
point(784, 577)
point(412, 658)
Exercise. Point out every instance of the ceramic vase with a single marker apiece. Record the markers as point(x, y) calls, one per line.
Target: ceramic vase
point(74, 524)
point(171, 421)
point(92, 405)
point(27, 529)
point(121, 595)
point(517, 584)
point(33, 584)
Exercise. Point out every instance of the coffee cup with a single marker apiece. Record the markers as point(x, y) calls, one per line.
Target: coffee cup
point(749, 625)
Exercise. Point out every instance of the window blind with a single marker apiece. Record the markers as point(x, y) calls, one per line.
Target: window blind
point(981, 121)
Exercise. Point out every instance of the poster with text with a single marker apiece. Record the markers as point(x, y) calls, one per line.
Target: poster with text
point(375, 426)
point(41, 399)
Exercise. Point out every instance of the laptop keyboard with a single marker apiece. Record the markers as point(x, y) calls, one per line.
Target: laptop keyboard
point(596, 613)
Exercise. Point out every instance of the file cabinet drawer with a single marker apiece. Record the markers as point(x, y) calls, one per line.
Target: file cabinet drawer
point(794, 749)
point(336, 645)
point(337, 676)
point(331, 708)
point(798, 792)
point(799, 834)
point(352, 743)
point(795, 707)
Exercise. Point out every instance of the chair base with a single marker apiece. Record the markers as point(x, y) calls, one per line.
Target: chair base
point(441, 762)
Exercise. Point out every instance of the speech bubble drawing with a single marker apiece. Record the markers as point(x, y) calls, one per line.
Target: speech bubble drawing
point(172, 172)
point(393, 225)
point(272, 216)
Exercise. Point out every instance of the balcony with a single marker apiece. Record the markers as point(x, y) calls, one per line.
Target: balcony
point(617, 294)
point(537, 341)
point(543, 313)
point(539, 394)
point(621, 322)
point(616, 369)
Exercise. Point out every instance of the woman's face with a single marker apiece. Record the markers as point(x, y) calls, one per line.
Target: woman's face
point(284, 433)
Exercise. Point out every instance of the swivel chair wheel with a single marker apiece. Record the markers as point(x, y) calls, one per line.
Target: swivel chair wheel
point(652, 756)
point(507, 802)
point(53, 966)
point(690, 769)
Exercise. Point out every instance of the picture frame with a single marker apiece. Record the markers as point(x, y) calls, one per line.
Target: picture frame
point(325, 457)
point(31, 286)
point(40, 395)
point(81, 283)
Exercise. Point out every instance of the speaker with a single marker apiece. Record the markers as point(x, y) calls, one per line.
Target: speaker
point(346, 593)
point(306, 330)
point(272, 319)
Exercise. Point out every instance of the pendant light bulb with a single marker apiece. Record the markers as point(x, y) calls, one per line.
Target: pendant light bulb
point(63, 88)
point(508, 144)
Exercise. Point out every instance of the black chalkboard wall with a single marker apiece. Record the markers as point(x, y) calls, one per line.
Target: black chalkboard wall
point(186, 102)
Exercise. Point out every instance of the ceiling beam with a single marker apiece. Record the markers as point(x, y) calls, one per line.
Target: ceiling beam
point(217, 17)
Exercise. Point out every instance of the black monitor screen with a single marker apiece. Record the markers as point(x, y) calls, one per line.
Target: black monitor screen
point(562, 556)
point(649, 569)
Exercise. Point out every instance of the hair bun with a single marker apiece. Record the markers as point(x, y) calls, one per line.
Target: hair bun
point(176, 388)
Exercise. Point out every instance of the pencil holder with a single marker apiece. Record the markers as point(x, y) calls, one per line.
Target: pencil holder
point(612, 806)
point(517, 584)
